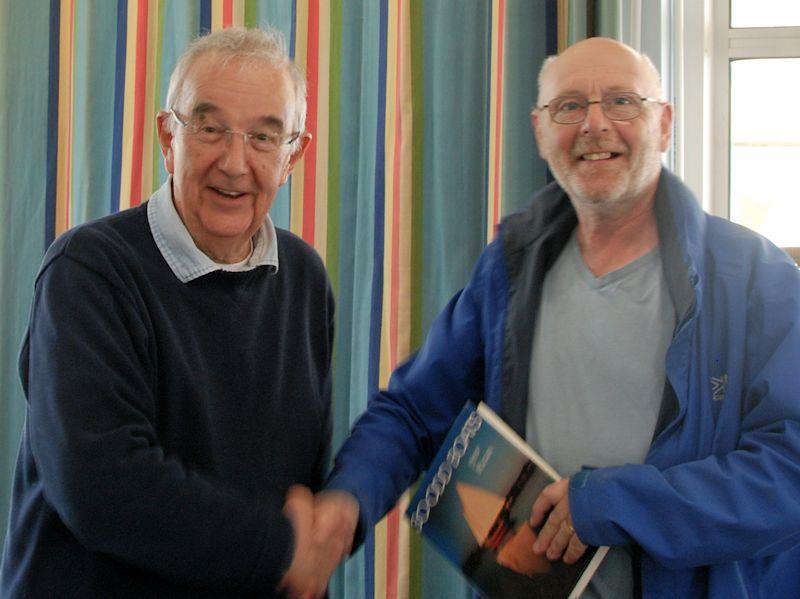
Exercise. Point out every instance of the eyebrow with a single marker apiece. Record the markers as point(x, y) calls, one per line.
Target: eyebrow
point(204, 108)
point(610, 89)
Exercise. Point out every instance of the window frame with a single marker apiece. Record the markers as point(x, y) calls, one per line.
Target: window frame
point(700, 49)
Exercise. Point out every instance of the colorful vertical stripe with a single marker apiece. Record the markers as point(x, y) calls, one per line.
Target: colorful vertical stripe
point(299, 199)
point(139, 142)
point(494, 197)
point(392, 534)
point(66, 96)
point(227, 13)
point(53, 100)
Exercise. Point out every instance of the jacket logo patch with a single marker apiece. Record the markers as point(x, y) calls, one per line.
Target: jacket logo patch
point(718, 385)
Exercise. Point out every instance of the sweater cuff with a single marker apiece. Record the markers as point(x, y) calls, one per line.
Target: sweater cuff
point(276, 553)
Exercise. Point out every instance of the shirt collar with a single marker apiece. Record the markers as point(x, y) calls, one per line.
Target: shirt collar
point(179, 250)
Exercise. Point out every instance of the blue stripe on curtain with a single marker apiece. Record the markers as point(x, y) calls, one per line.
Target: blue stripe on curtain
point(52, 125)
point(377, 273)
point(205, 16)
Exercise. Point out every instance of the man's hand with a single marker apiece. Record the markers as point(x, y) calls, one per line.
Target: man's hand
point(301, 580)
point(324, 527)
point(557, 533)
point(335, 522)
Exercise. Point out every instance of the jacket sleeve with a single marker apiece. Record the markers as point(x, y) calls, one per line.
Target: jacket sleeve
point(90, 382)
point(404, 425)
point(730, 505)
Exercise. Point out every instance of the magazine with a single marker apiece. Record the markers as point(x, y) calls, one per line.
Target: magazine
point(474, 504)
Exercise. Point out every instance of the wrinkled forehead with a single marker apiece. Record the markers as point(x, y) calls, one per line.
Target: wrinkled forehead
point(254, 81)
point(593, 71)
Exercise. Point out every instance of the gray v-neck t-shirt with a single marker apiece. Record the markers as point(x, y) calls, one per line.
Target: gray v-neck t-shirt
point(597, 374)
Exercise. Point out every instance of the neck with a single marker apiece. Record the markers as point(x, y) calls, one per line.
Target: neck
point(227, 253)
point(609, 242)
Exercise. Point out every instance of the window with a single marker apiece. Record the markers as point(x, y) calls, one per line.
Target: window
point(765, 147)
point(736, 65)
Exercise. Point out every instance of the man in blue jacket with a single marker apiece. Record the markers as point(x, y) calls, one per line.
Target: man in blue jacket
point(647, 350)
point(164, 428)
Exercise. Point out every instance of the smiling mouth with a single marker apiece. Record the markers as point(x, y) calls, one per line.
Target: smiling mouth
point(228, 193)
point(594, 156)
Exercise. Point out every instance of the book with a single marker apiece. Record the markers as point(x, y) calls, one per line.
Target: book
point(474, 504)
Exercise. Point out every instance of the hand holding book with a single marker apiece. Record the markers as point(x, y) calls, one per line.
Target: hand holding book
point(557, 536)
point(481, 504)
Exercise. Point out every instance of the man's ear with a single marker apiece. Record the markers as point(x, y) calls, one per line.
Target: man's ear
point(165, 138)
point(302, 143)
point(535, 125)
point(665, 126)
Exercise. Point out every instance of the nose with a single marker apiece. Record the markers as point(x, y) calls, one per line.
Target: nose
point(596, 120)
point(233, 159)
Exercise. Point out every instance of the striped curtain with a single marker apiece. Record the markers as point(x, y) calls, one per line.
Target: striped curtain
point(419, 113)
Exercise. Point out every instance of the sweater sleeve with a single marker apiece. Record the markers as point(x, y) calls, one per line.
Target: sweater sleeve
point(93, 417)
point(733, 504)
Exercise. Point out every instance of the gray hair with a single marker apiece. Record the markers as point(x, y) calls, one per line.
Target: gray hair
point(649, 66)
point(245, 45)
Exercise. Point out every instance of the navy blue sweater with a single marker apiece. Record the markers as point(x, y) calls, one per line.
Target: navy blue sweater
point(165, 420)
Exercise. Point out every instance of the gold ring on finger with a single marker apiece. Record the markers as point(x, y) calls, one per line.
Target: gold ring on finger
point(568, 526)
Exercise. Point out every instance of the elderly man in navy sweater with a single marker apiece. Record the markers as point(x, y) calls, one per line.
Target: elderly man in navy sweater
point(177, 364)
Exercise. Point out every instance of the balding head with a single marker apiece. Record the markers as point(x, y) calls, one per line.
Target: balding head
point(597, 54)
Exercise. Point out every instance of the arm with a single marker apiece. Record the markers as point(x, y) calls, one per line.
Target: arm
point(93, 420)
point(404, 426)
point(736, 503)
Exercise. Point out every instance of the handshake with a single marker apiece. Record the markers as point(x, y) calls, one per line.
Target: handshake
point(324, 526)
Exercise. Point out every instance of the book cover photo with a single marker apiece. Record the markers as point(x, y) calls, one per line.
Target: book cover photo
point(474, 502)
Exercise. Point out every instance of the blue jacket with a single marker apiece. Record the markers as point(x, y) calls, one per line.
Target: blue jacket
point(715, 509)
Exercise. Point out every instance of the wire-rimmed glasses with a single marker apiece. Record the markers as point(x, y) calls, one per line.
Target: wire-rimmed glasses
point(617, 106)
point(209, 132)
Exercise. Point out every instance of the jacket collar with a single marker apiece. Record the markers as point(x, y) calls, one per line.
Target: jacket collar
point(681, 223)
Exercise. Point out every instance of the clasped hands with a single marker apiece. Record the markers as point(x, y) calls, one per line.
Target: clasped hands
point(324, 526)
point(557, 536)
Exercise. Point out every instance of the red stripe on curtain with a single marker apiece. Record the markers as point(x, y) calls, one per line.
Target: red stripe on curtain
point(310, 167)
point(227, 13)
point(393, 518)
point(70, 117)
point(139, 101)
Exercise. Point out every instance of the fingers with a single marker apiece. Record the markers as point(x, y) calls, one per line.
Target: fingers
point(335, 522)
point(300, 581)
point(324, 528)
point(575, 550)
point(299, 507)
point(552, 499)
point(550, 496)
point(557, 536)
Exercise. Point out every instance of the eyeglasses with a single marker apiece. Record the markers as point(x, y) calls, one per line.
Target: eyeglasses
point(209, 132)
point(617, 106)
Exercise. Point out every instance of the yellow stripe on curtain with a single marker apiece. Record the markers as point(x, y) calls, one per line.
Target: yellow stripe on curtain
point(66, 95)
point(494, 199)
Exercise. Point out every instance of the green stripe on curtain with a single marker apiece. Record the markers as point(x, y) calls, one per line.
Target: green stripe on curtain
point(24, 32)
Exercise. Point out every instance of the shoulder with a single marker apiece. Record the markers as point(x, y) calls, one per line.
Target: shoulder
point(294, 253)
point(104, 243)
point(738, 251)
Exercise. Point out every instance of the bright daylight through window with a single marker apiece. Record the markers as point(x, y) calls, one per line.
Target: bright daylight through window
point(764, 124)
point(765, 147)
